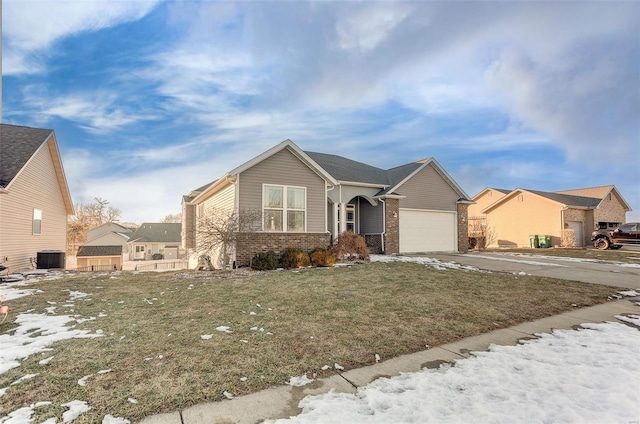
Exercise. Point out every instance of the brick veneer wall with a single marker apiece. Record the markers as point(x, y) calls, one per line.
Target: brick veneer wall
point(463, 228)
point(392, 227)
point(248, 244)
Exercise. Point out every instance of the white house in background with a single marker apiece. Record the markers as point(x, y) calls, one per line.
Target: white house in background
point(155, 238)
point(110, 234)
point(34, 196)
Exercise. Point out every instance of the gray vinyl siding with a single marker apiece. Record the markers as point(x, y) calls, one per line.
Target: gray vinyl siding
point(223, 200)
point(371, 218)
point(428, 190)
point(283, 168)
point(35, 187)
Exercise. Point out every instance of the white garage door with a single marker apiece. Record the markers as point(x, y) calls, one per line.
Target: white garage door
point(427, 231)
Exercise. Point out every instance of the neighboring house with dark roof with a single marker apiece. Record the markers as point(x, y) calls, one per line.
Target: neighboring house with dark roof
point(99, 258)
point(307, 199)
point(155, 238)
point(521, 213)
point(34, 196)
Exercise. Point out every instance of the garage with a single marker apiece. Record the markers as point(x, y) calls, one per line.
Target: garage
point(427, 231)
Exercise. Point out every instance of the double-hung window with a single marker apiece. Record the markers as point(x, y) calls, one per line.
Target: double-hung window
point(284, 208)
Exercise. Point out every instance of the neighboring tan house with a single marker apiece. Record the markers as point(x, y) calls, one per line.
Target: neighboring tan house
point(34, 196)
point(155, 238)
point(109, 234)
point(521, 213)
point(307, 199)
point(99, 258)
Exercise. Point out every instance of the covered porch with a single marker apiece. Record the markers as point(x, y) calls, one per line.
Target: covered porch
point(359, 210)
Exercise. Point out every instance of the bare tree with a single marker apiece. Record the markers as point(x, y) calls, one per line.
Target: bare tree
point(88, 216)
point(172, 218)
point(481, 234)
point(218, 230)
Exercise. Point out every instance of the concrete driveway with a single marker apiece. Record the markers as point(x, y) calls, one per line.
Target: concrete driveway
point(586, 270)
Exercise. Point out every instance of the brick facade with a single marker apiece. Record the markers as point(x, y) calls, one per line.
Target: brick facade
point(392, 226)
point(463, 227)
point(248, 244)
point(610, 209)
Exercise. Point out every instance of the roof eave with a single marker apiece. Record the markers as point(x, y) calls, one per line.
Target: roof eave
point(361, 184)
point(62, 179)
point(223, 181)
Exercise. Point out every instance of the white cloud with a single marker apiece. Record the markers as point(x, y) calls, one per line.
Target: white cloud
point(369, 25)
point(98, 111)
point(33, 26)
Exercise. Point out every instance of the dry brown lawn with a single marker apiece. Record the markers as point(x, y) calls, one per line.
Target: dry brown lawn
point(282, 323)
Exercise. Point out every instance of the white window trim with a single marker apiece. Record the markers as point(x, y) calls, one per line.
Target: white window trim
point(284, 208)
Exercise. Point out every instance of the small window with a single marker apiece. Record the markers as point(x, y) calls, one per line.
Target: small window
point(37, 221)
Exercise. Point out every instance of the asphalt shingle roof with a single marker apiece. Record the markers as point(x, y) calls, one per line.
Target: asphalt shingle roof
point(17, 145)
point(157, 232)
point(99, 251)
point(344, 169)
point(570, 200)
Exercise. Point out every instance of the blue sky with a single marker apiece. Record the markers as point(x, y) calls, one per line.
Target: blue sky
point(151, 99)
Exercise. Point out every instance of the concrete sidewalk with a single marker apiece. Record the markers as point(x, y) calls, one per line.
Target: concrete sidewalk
point(282, 402)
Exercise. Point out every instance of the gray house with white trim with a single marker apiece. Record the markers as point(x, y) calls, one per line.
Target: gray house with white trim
point(307, 199)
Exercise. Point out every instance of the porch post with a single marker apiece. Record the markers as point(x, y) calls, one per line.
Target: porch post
point(343, 217)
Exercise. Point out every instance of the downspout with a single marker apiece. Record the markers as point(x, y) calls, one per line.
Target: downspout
point(327, 189)
point(384, 222)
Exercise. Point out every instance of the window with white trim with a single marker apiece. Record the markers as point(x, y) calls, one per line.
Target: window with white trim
point(37, 221)
point(284, 208)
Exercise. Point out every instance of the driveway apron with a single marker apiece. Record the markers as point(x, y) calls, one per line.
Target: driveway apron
point(606, 273)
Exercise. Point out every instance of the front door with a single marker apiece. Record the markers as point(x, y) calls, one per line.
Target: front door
point(139, 252)
point(576, 226)
point(350, 221)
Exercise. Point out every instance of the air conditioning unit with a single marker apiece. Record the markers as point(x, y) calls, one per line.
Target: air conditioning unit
point(48, 259)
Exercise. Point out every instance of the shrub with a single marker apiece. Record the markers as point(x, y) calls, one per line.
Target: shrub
point(294, 258)
point(351, 246)
point(265, 261)
point(323, 257)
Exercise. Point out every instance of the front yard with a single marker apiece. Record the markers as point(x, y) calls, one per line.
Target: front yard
point(170, 340)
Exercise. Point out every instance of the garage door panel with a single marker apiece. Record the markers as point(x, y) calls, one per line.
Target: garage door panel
point(427, 231)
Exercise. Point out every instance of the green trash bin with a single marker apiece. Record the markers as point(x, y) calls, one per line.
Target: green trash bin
point(544, 241)
point(533, 240)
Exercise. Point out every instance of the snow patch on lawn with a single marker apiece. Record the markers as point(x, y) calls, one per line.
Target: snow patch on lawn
point(568, 376)
point(431, 262)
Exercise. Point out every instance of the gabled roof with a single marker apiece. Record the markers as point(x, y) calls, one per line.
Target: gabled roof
point(99, 251)
point(123, 236)
point(413, 168)
point(568, 200)
point(119, 228)
point(336, 170)
point(500, 190)
point(208, 189)
point(18, 144)
point(157, 232)
point(598, 192)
